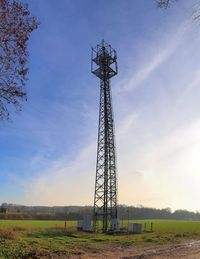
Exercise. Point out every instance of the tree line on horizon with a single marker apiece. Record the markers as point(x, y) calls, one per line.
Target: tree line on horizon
point(12, 211)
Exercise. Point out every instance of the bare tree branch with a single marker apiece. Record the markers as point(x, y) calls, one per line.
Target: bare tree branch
point(165, 3)
point(16, 25)
point(196, 12)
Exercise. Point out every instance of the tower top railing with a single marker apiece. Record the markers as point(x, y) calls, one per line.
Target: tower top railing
point(104, 61)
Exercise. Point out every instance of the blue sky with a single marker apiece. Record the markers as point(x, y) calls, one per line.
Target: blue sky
point(48, 151)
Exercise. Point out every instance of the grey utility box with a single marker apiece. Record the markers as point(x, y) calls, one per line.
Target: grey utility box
point(115, 225)
point(135, 228)
point(87, 223)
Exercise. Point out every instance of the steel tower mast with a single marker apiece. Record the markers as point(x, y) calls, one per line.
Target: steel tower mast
point(104, 66)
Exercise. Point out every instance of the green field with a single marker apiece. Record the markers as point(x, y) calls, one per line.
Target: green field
point(37, 224)
point(159, 226)
point(32, 239)
point(171, 226)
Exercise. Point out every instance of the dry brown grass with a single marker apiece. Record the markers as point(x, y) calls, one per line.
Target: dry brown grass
point(7, 233)
point(19, 228)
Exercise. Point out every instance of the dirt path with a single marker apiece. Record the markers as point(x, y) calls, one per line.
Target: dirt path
point(190, 250)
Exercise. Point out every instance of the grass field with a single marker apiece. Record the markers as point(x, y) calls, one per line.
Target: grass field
point(37, 224)
point(159, 226)
point(171, 226)
point(29, 239)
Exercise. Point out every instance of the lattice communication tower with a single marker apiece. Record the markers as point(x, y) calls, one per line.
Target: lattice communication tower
point(104, 66)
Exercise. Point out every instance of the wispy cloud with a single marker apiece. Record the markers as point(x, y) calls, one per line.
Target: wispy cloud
point(168, 166)
point(64, 183)
point(162, 51)
point(189, 87)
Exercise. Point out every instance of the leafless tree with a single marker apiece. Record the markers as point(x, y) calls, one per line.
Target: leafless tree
point(16, 25)
point(165, 3)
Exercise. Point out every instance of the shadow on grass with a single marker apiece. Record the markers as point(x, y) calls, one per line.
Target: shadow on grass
point(51, 233)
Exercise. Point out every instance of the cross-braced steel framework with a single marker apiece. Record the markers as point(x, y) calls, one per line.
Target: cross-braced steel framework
point(104, 66)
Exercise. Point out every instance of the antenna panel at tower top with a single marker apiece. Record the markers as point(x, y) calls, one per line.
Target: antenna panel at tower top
point(104, 61)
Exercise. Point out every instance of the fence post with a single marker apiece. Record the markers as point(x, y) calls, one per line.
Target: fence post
point(151, 226)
